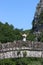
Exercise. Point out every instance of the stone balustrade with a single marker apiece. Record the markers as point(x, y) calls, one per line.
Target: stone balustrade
point(20, 49)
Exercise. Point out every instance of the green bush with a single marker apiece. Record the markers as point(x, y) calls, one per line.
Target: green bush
point(24, 54)
point(22, 61)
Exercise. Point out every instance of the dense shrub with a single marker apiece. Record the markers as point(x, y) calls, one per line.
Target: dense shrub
point(22, 61)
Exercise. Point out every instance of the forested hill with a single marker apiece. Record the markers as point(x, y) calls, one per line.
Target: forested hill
point(8, 33)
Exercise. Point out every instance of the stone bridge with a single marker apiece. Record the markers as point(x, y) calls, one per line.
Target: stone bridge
point(21, 49)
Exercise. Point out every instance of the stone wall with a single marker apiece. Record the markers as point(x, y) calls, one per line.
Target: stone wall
point(21, 49)
point(14, 54)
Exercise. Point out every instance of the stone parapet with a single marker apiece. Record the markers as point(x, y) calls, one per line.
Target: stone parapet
point(21, 49)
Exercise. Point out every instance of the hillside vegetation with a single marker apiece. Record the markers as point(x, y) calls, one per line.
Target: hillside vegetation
point(22, 61)
point(8, 33)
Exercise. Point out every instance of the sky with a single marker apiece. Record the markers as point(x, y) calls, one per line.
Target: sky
point(19, 13)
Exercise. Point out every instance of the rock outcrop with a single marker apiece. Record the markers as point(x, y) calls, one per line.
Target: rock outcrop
point(39, 9)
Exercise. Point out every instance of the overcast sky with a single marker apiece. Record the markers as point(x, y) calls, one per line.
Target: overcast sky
point(19, 13)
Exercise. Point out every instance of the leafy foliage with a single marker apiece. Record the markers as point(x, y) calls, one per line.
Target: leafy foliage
point(8, 33)
point(22, 61)
point(24, 54)
point(31, 37)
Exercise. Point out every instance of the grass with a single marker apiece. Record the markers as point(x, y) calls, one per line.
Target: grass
point(22, 61)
